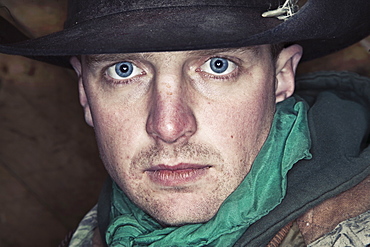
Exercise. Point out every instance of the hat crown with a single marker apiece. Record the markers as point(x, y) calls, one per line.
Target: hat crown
point(126, 26)
point(83, 10)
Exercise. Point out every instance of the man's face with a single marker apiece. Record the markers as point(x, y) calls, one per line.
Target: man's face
point(178, 131)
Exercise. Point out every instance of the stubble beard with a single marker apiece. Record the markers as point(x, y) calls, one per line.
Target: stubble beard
point(195, 209)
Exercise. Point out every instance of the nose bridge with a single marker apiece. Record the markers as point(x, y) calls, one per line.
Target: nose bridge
point(170, 118)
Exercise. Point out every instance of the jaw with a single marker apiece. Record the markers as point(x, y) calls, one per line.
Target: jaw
point(179, 206)
point(195, 202)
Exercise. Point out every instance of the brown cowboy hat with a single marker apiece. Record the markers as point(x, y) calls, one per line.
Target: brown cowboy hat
point(124, 26)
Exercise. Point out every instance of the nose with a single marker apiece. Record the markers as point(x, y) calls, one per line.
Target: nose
point(170, 119)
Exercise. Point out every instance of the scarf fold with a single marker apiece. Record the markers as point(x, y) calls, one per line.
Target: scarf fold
point(261, 191)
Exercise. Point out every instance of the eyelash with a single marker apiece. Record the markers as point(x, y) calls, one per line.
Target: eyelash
point(229, 76)
point(120, 82)
point(116, 82)
point(226, 77)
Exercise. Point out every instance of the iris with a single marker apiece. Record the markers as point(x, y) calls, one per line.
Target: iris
point(219, 65)
point(124, 69)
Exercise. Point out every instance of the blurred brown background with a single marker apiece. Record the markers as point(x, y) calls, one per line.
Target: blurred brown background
point(50, 172)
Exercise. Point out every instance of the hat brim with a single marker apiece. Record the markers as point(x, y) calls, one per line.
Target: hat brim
point(316, 27)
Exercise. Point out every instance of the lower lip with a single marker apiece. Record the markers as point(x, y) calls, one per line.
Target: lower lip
point(177, 177)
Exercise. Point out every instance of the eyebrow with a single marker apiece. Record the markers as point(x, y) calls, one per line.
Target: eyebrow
point(98, 58)
point(95, 59)
point(254, 49)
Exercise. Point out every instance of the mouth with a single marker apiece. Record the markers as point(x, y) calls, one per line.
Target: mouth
point(178, 175)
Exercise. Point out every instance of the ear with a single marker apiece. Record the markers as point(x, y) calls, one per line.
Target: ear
point(77, 66)
point(286, 66)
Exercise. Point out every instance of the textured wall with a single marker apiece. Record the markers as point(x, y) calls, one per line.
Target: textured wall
point(50, 172)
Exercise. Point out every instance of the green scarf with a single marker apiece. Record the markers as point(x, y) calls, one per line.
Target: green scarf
point(261, 191)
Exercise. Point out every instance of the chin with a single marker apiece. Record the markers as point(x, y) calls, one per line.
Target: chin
point(182, 220)
point(186, 212)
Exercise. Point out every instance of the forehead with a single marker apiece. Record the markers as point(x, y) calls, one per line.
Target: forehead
point(254, 51)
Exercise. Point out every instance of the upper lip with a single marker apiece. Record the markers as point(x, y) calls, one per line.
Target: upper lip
point(181, 166)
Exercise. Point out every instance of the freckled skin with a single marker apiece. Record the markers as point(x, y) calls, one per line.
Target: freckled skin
point(174, 113)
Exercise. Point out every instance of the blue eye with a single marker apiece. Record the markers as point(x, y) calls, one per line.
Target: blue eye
point(123, 70)
point(218, 66)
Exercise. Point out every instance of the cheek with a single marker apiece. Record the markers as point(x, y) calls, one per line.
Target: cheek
point(237, 131)
point(246, 118)
point(110, 125)
point(118, 139)
point(240, 127)
point(116, 133)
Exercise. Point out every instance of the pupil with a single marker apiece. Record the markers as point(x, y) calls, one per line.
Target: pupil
point(219, 64)
point(124, 68)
